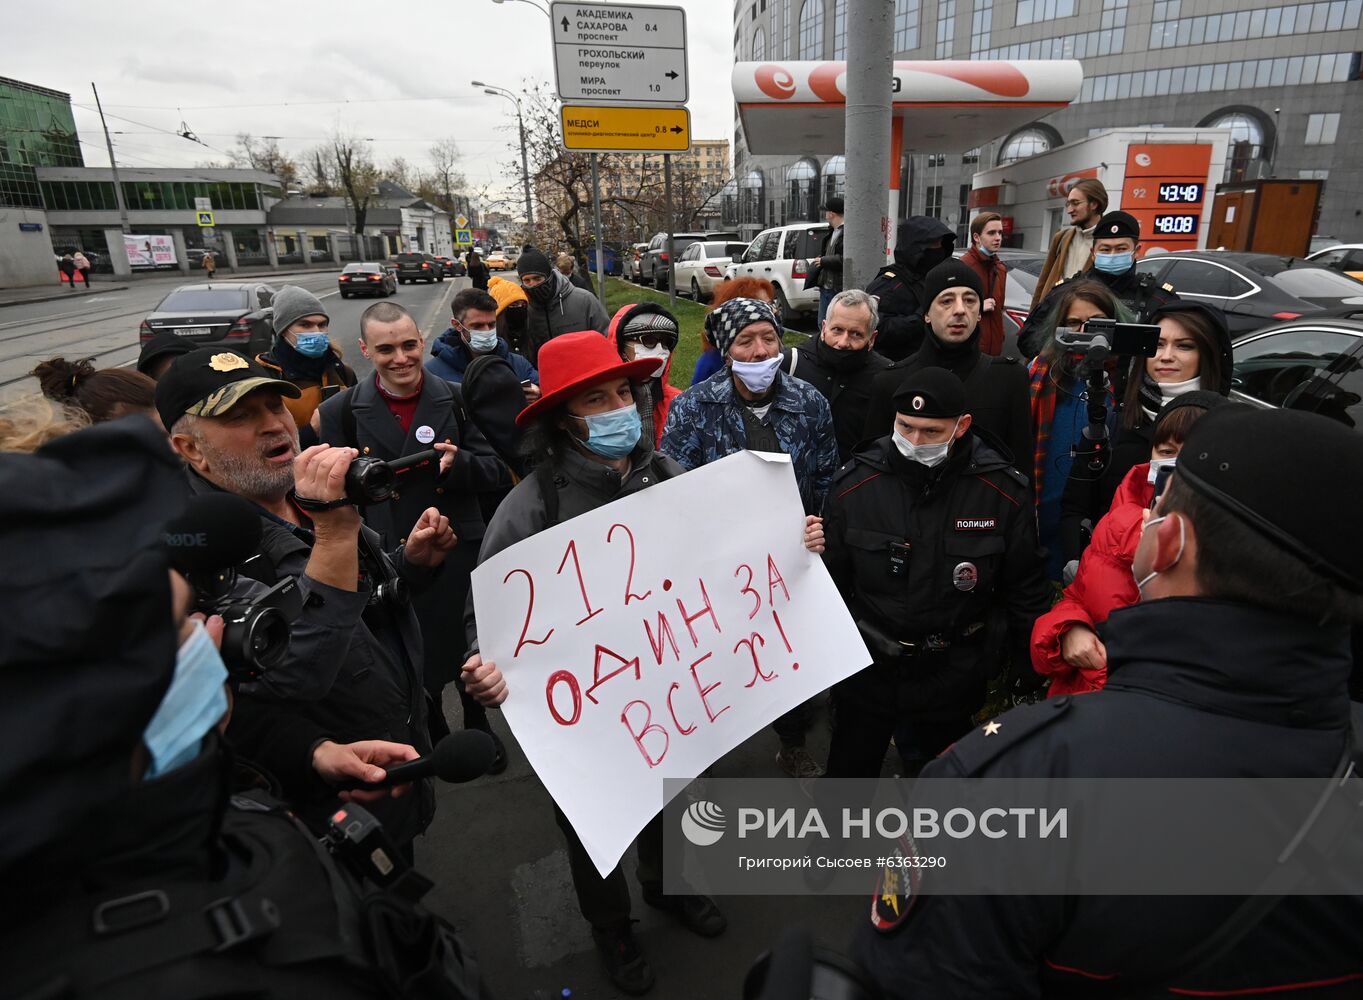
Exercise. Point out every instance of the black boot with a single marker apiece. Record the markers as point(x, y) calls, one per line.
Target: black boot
point(625, 963)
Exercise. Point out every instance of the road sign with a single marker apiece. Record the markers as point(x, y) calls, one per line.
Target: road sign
point(205, 219)
point(463, 237)
point(620, 53)
point(461, 222)
point(615, 130)
point(203, 204)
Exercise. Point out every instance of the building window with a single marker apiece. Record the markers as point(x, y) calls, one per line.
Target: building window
point(1243, 129)
point(946, 28)
point(1321, 129)
point(932, 204)
point(839, 29)
point(1032, 11)
point(811, 30)
point(802, 199)
point(981, 25)
point(751, 196)
point(1023, 144)
point(971, 155)
point(1294, 70)
point(1168, 31)
point(835, 178)
point(963, 216)
point(906, 14)
point(1313, 175)
point(759, 45)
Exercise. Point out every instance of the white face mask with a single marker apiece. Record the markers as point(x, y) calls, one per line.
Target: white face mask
point(659, 351)
point(757, 375)
point(1156, 464)
point(1182, 540)
point(930, 455)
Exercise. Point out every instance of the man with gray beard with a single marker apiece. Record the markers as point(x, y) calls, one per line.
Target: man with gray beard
point(350, 686)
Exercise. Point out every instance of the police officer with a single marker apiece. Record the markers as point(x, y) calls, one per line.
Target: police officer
point(1116, 241)
point(931, 542)
point(1234, 664)
point(842, 363)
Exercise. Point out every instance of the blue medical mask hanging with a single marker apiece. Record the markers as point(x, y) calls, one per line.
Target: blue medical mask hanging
point(614, 434)
point(1114, 263)
point(984, 250)
point(312, 345)
point(193, 704)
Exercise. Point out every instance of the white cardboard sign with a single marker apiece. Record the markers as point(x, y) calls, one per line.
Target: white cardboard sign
point(645, 639)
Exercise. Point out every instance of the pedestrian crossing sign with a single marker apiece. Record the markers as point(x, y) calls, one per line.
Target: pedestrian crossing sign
point(205, 218)
point(463, 237)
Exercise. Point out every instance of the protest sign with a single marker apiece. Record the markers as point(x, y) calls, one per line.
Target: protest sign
point(645, 639)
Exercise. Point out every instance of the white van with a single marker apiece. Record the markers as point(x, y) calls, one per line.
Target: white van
point(782, 256)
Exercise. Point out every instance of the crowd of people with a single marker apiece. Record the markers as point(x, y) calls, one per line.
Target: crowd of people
point(978, 539)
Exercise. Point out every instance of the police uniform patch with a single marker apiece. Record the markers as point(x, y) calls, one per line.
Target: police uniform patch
point(965, 576)
point(896, 888)
point(917, 402)
point(977, 523)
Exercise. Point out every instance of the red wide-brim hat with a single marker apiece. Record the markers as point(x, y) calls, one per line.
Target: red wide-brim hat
point(574, 362)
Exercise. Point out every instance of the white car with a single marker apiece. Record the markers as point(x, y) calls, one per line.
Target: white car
point(633, 258)
point(701, 267)
point(1346, 258)
point(782, 256)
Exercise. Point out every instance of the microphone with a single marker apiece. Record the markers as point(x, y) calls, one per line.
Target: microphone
point(459, 757)
point(216, 531)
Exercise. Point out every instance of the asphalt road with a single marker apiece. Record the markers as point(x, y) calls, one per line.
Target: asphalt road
point(104, 325)
point(494, 851)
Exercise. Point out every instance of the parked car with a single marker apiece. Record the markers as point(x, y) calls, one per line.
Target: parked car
point(1311, 364)
point(1024, 271)
point(451, 267)
point(367, 279)
point(782, 255)
point(633, 260)
point(1319, 243)
point(701, 266)
point(512, 253)
point(418, 267)
point(653, 266)
point(231, 314)
point(610, 253)
point(1346, 258)
point(1254, 289)
point(498, 261)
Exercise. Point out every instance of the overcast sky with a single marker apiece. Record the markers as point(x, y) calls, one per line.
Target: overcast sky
point(299, 69)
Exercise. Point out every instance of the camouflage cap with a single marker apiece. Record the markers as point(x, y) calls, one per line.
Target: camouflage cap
point(209, 382)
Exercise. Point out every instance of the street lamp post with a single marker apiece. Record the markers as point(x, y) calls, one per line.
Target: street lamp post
point(525, 161)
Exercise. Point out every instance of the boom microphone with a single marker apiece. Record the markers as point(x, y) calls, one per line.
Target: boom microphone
point(459, 757)
point(216, 531)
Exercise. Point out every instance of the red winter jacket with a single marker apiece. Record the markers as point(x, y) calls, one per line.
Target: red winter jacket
point(669, 393)
point(1103, 584)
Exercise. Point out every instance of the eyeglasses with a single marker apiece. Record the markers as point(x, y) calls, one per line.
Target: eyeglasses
point(650, 340)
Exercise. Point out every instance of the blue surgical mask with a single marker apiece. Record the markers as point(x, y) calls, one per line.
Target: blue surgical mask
point(482, 341)
point(193, 705)
point(312, 345)
point(984, 250)
point(614, 434)
point(757, 375)
point(1114, 263)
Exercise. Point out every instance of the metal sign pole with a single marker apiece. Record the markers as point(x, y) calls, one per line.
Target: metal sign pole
point(600, 248)
point(671, 255)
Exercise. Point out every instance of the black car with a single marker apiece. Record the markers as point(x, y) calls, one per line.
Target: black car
point(1311, 364)
point(418, 267)
point(1254, 289)
point(367, 279)
point(654, 265)
point(451, 267)
point(231, 314)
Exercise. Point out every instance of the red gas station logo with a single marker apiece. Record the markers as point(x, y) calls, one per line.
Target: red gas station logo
point(775, 81)
point(998, 79)
point(1058, 187)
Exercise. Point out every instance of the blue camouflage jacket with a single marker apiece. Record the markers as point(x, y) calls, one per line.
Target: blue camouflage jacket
point(705, 424)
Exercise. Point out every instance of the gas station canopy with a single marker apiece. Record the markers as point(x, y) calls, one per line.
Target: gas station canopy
point(941, 106)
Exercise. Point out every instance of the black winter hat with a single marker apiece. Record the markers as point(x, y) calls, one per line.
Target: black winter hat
point(1292, 477)
point(950, 273)
point(532, 261)
point(834, 205)
point(931, 392)
point(1116, 225)
point(161, 346)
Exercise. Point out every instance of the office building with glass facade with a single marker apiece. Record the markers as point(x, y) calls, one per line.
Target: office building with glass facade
point(1286, 79)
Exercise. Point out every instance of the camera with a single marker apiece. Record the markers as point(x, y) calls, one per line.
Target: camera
point(255, 638)
point(1103, 337)
point(372, 480)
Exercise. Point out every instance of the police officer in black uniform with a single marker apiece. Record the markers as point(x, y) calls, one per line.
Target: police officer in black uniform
point(996, 391)
point(842, 363)
point(931, 540)
point(1234, 664)
point(1116, 241)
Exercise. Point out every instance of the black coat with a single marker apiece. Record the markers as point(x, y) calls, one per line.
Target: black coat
point(1196, 689)
point(973, 508)
point(843, 378)
point(1138, 291)
point(830, 261)
point(900, 285)
point(996, 394)
point(476, 470)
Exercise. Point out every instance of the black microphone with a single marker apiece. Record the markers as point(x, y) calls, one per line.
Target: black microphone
point(216, 531)
point(459, 757)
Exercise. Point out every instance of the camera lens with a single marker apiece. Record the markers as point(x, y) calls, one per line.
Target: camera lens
point(254, 640)
point(369, 480)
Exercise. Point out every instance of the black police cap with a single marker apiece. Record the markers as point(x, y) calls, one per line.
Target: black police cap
point(1292, 477)
point(931, 393)
point(1116, 225)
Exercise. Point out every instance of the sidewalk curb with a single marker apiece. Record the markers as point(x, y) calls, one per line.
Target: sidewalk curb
point(123, 286)
point(64, 298)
